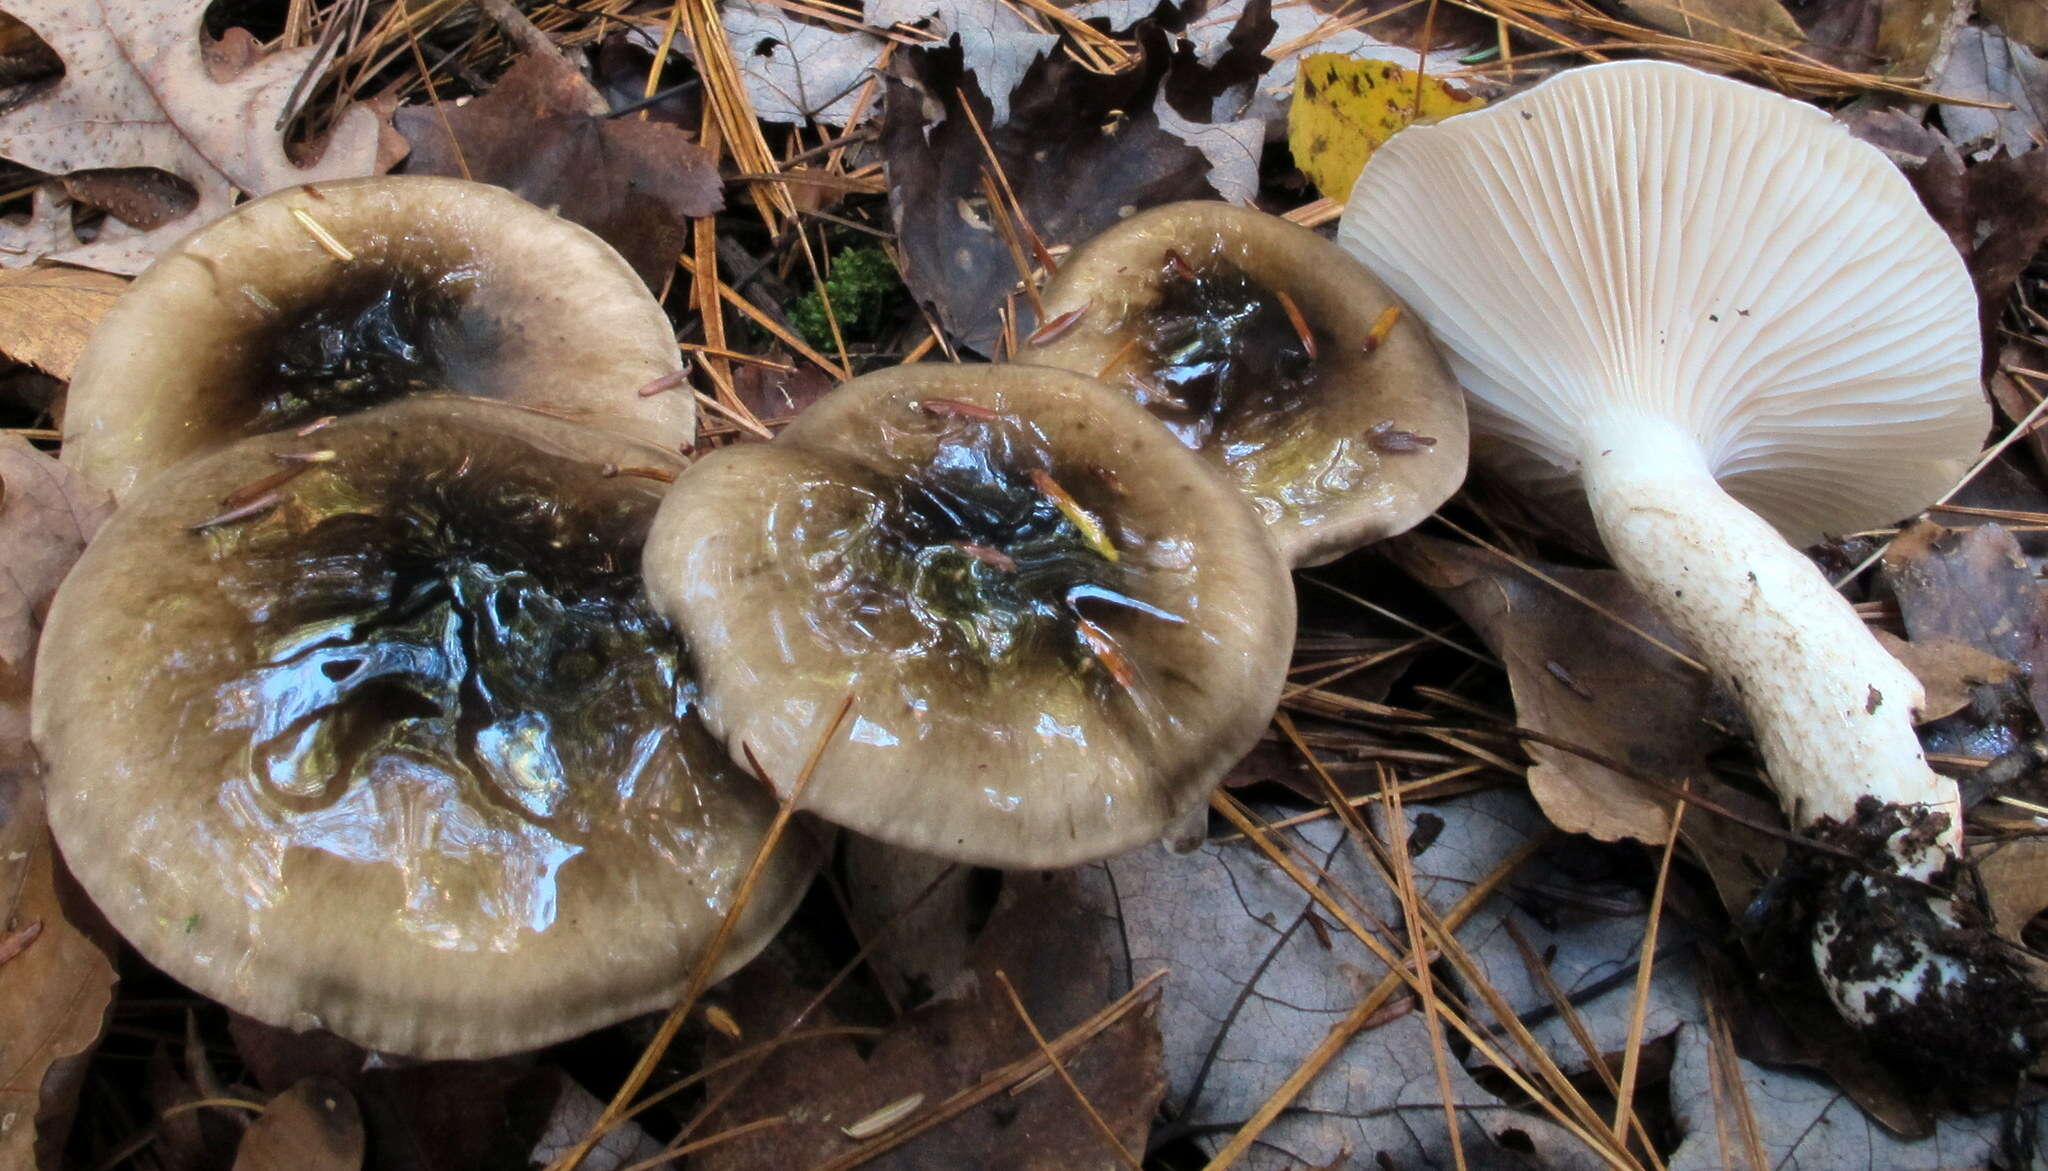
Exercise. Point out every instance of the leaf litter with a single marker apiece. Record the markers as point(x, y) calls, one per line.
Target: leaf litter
point(976, 140)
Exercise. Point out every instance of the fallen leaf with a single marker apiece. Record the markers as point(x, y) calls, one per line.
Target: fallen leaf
point(1972, 586)
point(924, 931)
point(55, 991)
point(1081, 150)
point(795, 71)
point(1735, 24)
point(137, 92)
point(428, 1116)
point(636, 184)
point(1232, 149)
point(1983, 65)
point(2015, 877)
point(1949, 671)
point(47, 312)
point(314, 1126)
point(2025, 21)
point(1062, 976)
point(778, 394)
point(1252, 988)
point(998, 46)
point(1344, 108)
point(624, 1144)
point(1582, 677)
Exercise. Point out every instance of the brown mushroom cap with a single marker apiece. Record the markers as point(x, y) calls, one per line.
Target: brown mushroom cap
point(1021, 698)
point(1185, 308)
point(255, 323)
point(405, 754)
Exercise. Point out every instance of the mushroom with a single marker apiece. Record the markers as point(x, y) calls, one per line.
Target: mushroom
point(1274, 354)
point(1729, 320)
point(1059, 626)
point(327, 298)
point(374, 731)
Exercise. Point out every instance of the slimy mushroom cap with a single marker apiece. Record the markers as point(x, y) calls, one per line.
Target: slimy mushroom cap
point(1059, 626)
point(328, 298)
point(395, 747)
point(1197, 310)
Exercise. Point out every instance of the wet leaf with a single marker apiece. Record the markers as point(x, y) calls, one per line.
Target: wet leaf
point(637, 184)
point(314, 1126)
point(1345, 107)
point(47, 312)
point(137, 91)
point(55, 989)
point(1582, 677)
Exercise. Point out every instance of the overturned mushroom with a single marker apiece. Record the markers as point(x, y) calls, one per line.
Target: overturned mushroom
point(1720, 313)
point(374, 731)
point(1274, 354)
point(325, 299)
point(1058, 625)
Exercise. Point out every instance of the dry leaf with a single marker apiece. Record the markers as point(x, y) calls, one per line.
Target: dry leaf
point(1985, 66)
point(1582, 677)
point(636, 184)
point(795, 71)
point(47, 312)
point(55, 990)
point(998, 46)
point(314, 1126)
point(1947, 669)
point(1737, 24)
point(2025, 21)
point(1344, 108)
point(1972, 586)
point(1082, 150)
point(137, 92)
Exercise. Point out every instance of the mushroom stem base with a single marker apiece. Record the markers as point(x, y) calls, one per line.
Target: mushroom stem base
point(1904, 964)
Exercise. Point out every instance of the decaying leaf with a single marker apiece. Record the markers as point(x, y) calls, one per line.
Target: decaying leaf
point(637, 184)
point(314, 1126)
point(1583, 677)
point(797, 71)
point(820, 1087)
point(137, 91)
point(1345, 107)
point(55, 988)
point(48, 311)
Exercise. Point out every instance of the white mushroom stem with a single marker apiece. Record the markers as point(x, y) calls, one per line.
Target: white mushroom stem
point(1832, 709)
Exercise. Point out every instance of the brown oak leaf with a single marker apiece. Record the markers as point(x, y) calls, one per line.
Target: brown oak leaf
point(137, 91)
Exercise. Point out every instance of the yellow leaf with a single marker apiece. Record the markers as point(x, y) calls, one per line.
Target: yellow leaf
point(1345, 107)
